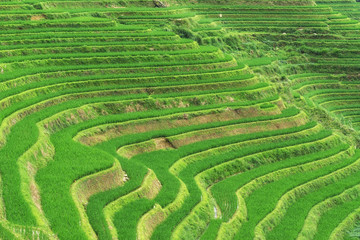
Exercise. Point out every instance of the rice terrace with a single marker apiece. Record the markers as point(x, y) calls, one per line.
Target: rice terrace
point(180, 119)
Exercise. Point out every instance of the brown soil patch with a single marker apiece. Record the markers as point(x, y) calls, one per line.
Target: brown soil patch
point(37, 17)
point(154, 189)
point(168, 123)
point(143, 147)
point(35, 195)
point(82, 114)
point(99, 183)
point(241, 129)
point(30, 169)
point(34, 191)
point(150, 221)
point(162, 143)
point(114, 6)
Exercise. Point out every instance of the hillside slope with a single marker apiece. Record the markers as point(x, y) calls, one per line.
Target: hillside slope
point(179, 119)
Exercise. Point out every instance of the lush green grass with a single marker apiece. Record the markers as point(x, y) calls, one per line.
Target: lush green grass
point(301, 207)
point(256, 211)
point(224, 191)
point(115, 143)
point(128, 75)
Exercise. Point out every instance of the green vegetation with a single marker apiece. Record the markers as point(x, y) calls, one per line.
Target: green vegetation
point(173, 119)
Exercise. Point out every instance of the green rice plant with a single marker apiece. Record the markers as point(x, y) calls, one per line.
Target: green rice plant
point(127, 138)
point(224, 191)
point(122, 63)
point(276, 193)
point(311, 222)
point(300, 191)
point(88, 52)
point(333, 217)
point(112, 124)
point(14, 50)
point(114, 68)
point(219, 172)
point(77, 87)
point(65, 105)
point(174, 217)
point(147, 190)
point(90, 185)
point(215, 132)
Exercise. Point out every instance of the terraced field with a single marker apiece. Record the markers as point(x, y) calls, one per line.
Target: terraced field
point(142, 119)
